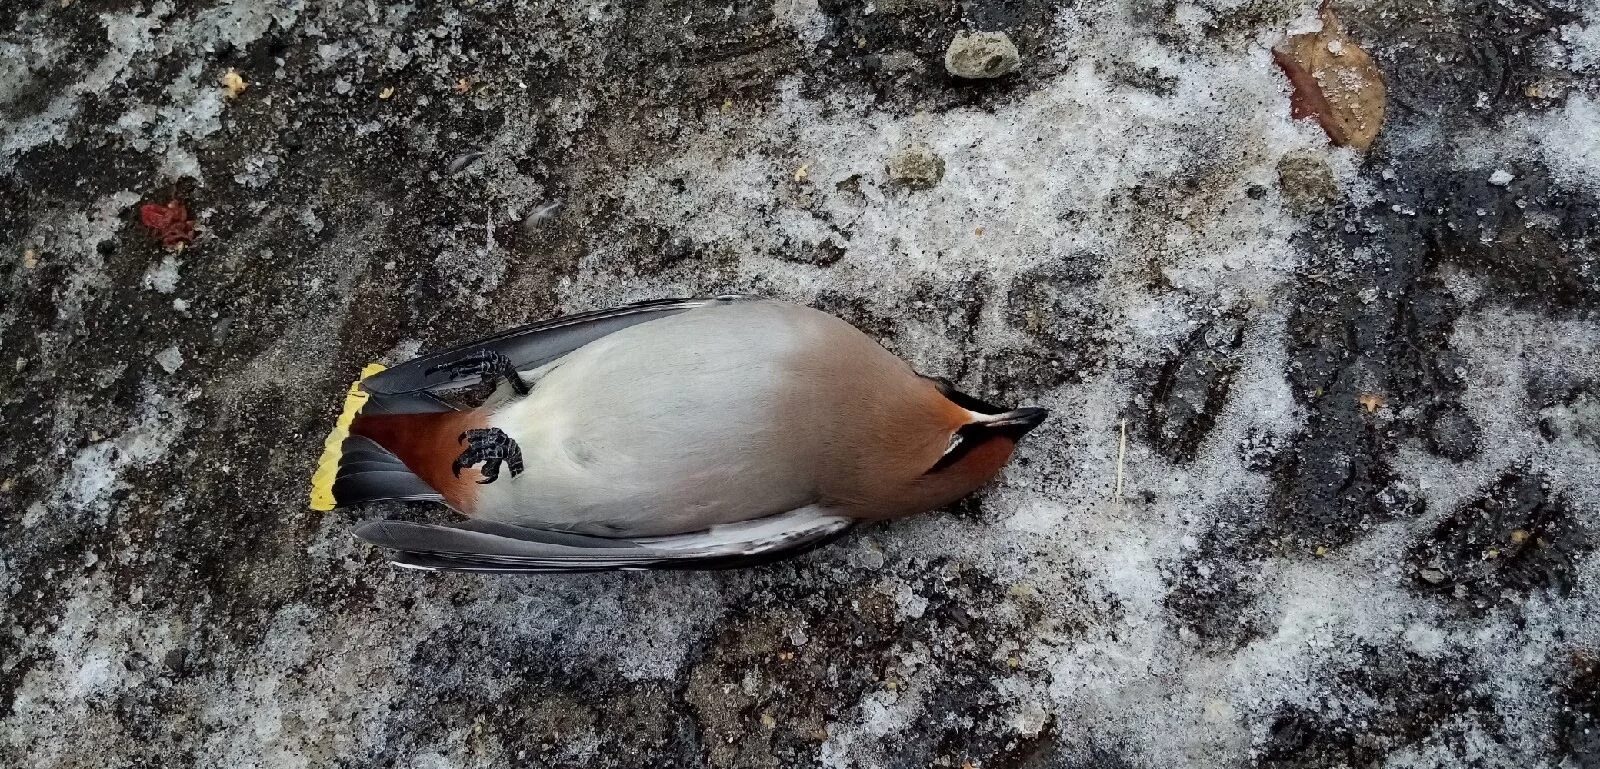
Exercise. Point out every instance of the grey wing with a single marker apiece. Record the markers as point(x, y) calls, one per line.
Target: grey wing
point(485, 546)
point(409, 387)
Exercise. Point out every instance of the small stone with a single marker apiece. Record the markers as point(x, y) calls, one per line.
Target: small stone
point(1501, 178)
point(176, 660)
point(981, 55)
point(916, 167)
point(1307, 181)
point(170, 359)
point(1431, 576)
point(234, 84)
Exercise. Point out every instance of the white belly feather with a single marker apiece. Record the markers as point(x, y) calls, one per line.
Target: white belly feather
point(667, 426)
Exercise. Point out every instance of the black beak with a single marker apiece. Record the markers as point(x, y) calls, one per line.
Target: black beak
point(1017, 423)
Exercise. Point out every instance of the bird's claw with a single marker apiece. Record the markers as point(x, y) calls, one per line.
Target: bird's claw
point(485, 364)
point(491, 446)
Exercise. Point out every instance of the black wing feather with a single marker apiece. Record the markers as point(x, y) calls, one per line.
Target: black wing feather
point(526, 347)
point(483, 546)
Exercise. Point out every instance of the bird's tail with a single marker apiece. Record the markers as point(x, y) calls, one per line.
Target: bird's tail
point(355, 468)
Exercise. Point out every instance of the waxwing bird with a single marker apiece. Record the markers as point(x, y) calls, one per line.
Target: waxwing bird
point(684, 433)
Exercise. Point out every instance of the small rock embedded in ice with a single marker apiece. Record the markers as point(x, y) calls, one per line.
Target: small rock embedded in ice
point(981, 55)
point(170, 359)
point(1501, 178)
point(1307, 181)
point(916, 167)
point(1432, 576)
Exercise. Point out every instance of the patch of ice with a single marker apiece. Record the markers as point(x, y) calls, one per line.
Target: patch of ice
point(1580, 43)
point(1566, 139)
point(170, 359)
point(163, 278)
point(858, 740)
point(96, 472)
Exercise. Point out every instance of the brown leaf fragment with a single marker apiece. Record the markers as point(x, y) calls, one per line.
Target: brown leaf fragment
point(1371, 401)
point(1334, 81)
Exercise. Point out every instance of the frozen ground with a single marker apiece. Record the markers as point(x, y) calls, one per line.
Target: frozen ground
point(1361, 491)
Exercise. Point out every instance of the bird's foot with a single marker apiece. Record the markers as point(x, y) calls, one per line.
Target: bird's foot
point(487, 364)
point(491, 446)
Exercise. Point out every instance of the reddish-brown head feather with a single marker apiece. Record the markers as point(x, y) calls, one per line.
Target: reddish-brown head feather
point(427, 444)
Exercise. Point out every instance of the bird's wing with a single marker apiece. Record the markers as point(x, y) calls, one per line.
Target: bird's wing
point(409, 387)
point(368, 471)
point(485, 546)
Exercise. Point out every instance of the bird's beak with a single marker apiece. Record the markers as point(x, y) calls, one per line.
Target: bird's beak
point(1017, 422)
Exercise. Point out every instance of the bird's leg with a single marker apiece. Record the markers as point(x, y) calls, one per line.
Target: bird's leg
point(489, 364)
point(490, 446)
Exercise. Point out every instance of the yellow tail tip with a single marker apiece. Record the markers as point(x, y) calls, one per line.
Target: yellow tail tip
point(328, 465)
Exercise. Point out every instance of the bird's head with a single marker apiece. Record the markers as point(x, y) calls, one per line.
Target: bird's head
point(946, 448)
point(982, 443)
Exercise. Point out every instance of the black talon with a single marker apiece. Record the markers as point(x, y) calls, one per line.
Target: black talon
point(491, 446)
point(488, 364)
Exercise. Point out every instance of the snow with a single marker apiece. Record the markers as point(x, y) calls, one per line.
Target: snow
point(96, 472)
point(1569, 140)
point(1580, 43)
point(1566, 138)
point(170, 359)
point(163, 278)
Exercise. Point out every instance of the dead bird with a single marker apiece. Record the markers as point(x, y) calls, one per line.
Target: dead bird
point(681, 433)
